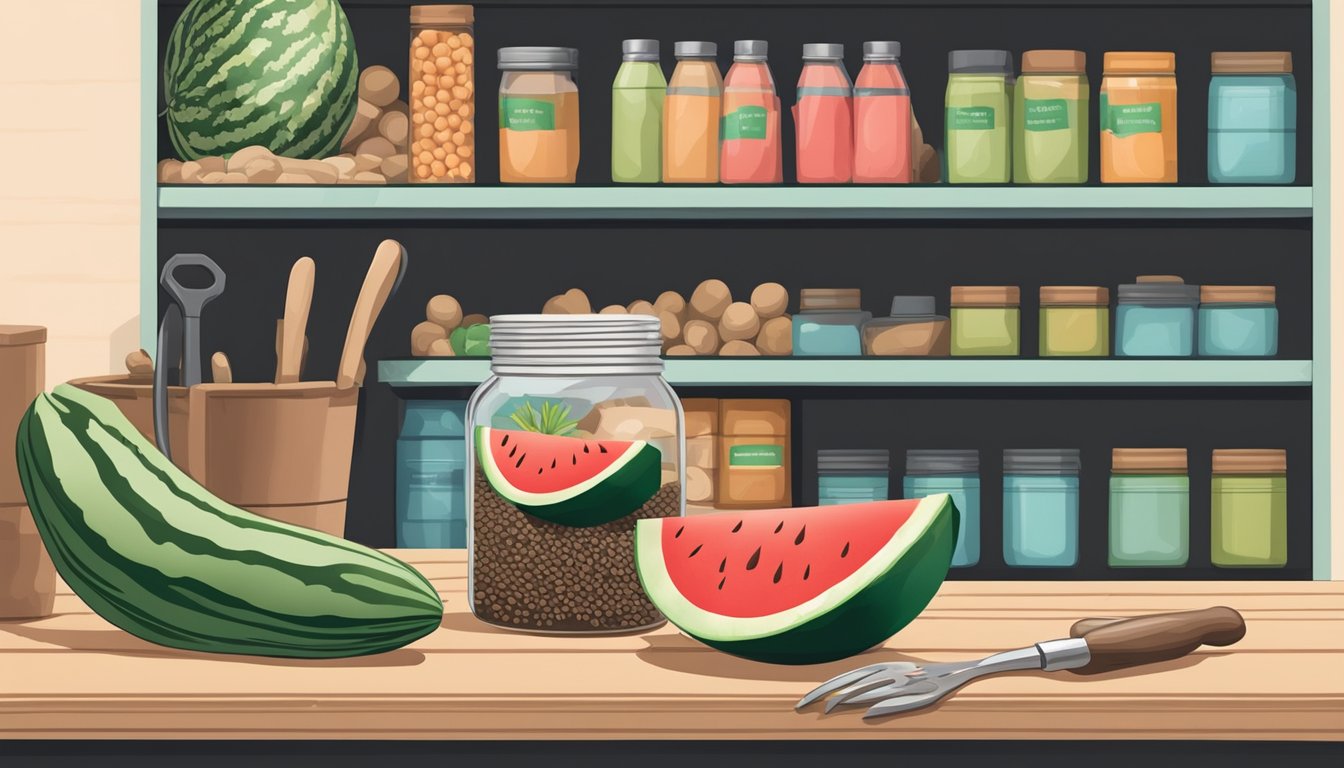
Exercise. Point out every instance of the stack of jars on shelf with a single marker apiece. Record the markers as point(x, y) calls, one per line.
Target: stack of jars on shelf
point(1156, 316)
point(1149, 519)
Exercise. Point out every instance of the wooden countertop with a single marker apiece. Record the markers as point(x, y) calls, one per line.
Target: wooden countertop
point(74, 676)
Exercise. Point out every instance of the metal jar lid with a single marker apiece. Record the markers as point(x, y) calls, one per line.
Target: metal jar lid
point(980, 62)
point(1042, 461)
point(881, 50)
point(695, 49)
point(751, 50)
point(1160, 291)
point(823, 52)
point(912, 306)
point(538, 58)
point(942, 462)
point(854, 460)
point(639, 50)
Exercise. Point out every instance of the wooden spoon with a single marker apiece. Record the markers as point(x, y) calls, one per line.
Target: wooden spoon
point(298, 300)
point(388, 263)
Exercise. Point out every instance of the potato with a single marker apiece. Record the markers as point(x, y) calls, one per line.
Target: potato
point(701, 336)
point(612, 309)
point(445, 311)
point(170, 171)
point(369, 177)
point(295, 178)
point(368, 162)
point(379, 86)
point(377, 146)
point(193, 170)
point(739, 321)
point(575, 302)
point(710, 299)
point(263, 170)
point(441, 348)
point(425, 334)
point(366, 114)
point(681, 350)
point(552, 306)
point(776, 337)
point(671, 327)
point(394, 168)
point(670, 301)
point(395, 127)
point(344, 165)
point(471, 320)
point(139, 364)
point(641, 307)
point(239, 160)
point(769, 300)
point(739, 348)
point(320, 171)
point(233, 177)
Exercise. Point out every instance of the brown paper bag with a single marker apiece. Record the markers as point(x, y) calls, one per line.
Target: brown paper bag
point(28, 579)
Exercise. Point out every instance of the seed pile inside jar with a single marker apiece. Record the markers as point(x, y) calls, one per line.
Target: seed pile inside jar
point(534, 575)
point(443, 107)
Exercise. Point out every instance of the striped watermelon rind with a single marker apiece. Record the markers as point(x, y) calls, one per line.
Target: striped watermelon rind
point(157, 555)
point(282, 74)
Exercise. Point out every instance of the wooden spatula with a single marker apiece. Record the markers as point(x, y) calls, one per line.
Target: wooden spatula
point(381, 280)
point(298, 300)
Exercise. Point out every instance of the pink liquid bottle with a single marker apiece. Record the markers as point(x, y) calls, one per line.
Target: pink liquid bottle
point(823, 117)
point(882, 137)
point(750, 147)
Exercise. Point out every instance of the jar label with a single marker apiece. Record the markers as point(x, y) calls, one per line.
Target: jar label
point(1131, 119)
point(970, 118)
point(526, 114)
point(756, 456)
point(746, 122)
point(1046, 115)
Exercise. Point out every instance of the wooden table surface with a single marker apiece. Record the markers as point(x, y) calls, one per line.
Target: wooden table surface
point(74, 676)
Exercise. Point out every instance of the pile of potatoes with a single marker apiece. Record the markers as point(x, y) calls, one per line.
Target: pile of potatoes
point(711, 323)
point(446, 332)
point(374, 150)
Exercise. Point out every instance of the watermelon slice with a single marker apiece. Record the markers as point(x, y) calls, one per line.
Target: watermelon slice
point(798, 586)
point(569, 480)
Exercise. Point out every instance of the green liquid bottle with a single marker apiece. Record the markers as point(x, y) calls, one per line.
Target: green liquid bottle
point(637, 115)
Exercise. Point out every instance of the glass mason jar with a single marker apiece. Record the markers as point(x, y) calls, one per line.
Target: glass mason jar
point(443, 95)
point(594, 380)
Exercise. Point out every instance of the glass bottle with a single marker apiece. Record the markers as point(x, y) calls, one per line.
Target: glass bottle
point(883, 140)
point(691, 116)
point(823, 117)
point(637, 115)
point(750, 150)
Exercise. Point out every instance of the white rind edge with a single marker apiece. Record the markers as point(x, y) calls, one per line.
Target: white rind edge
point(712, 626)
point(528, 499)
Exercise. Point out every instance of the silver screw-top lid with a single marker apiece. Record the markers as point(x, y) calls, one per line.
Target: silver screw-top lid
point(854, 461)
point(823, 52)
point(538, 58)
point(905, 306)
point(942, 461)
point(750, 50)
point(639, 50)
point(984, 62)
point(881, 50)
point(695, 49)
point(1042, 461)
point(575, 344)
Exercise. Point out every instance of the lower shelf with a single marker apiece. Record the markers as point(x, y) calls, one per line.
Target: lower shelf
point(807, 372)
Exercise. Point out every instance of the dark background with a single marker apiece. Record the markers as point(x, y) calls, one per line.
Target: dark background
point(499, 267)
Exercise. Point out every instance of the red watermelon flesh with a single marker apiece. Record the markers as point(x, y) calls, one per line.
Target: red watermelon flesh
point(539, 463)
point(763, 564)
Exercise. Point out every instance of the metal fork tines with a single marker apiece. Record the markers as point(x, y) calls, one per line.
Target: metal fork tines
point(880, 681)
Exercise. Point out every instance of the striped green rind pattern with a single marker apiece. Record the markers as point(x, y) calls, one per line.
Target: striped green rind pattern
point(154, 553)
point(279, 73)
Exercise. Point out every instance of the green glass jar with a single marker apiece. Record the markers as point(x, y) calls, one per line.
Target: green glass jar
point(986, 321)
point(1075, 321)
point(978, 120)
point(1150, 508)
point(1050, 111)
point(1249, 527)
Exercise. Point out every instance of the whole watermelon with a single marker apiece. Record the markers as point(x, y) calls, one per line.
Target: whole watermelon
point(279, 73)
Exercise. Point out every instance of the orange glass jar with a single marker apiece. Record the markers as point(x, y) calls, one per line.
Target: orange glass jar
point(1138, 118)
point(443, 95)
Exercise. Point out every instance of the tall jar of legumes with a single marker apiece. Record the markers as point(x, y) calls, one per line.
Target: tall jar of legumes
point(576, 436)
point(443, 95)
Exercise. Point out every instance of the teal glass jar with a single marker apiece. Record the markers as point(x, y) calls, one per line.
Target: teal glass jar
point(431, 475)
point(1040, 507)
point(829, 323)
point(1155, 317)
point(1249, 527)
point(852, 476)
point(1238, 321)
point(956, 473)
point(1150, 508)
point(1252, 118)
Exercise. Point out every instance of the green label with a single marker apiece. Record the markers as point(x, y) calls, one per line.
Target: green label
point(970, 118)
point(756, 456)
point(526, 115)
point(1131, 119)
point(1046, 115)
point(745, 123)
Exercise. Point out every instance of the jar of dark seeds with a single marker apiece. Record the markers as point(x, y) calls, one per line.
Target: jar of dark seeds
point(576, 435)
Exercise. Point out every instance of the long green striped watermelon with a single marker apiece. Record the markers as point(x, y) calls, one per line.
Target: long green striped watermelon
point(279, 73)
point(154, 553)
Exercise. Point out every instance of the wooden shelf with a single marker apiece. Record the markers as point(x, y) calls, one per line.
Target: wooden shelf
point(868, 372)
point(715, 202)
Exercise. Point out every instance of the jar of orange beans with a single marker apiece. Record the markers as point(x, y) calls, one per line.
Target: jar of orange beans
point(443, 95)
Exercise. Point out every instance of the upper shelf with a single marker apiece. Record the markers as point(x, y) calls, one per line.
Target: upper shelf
point(697, 203)
point(871, 372)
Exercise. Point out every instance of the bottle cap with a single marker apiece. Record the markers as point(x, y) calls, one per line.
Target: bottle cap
point(751, 50)
point(639, 50)
point(823, 52)
point(881, 50)
point(986, 62)
point(906, 306)
point(695, 49)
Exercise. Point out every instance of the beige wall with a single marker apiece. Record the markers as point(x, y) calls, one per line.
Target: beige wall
point(69, 189)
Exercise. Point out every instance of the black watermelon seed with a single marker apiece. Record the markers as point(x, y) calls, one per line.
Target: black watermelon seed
point(574, 458)
point(677, 535)
point(505, 441)
point(696, 550)
point(585, 447)
point(779, 527)
point(845, 551)
point(539, 470)
point(552, 463)
point(602, 448)
point(725, 578)
point(779, 573)
point(512, 451)
point(521, 459)
point(723, 564)
point(754, 560)
point(737, 527)
point(802, 534)
point(807, 571)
